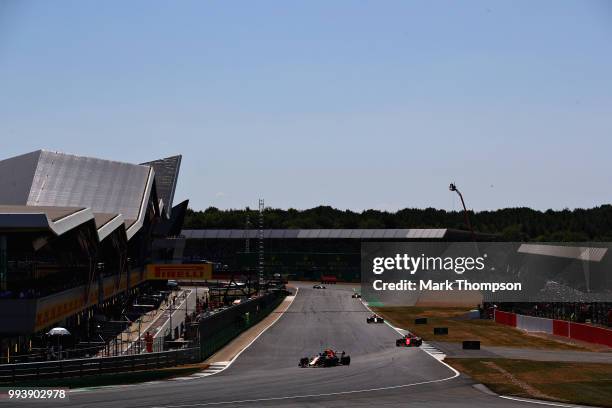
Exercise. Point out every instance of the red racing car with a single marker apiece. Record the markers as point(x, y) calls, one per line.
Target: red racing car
point(409, 340)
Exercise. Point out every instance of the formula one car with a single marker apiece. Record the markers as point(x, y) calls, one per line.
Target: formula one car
point(318, 287)
point(375, 319)
point(328, 358)
point(356, 295)
point(409, 340)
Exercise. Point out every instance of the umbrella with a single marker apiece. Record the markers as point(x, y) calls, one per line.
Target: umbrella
point(58, 331)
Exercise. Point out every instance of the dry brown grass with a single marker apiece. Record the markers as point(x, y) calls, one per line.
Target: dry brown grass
point(578, 383)
point(487, 331)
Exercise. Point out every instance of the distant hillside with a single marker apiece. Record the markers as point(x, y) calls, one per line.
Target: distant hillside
point(514, 224)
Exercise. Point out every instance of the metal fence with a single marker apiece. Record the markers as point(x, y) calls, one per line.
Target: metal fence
point(34, 372)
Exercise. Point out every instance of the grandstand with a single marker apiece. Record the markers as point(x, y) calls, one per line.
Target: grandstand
point(76, 235)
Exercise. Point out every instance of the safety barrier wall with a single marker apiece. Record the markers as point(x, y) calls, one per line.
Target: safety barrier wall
point(591, 334)
point(534, 324)
point(509, 319)
point(561, 328)
point(578, 331)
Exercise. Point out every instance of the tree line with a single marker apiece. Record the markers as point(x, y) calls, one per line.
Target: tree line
point(511, 224)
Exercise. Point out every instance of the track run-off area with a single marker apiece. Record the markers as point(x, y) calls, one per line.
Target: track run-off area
point(267, 373)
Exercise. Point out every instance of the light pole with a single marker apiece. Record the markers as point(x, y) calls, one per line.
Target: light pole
point(453, 187)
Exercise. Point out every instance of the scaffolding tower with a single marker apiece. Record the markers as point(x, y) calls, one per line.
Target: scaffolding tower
point(261, 243)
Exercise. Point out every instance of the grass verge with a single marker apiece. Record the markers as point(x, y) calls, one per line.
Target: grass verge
point(575, 383)
point(487, 331)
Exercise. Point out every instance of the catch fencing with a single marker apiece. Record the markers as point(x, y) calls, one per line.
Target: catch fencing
point(35, 372)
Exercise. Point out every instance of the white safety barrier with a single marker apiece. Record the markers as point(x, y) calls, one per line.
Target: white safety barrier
point(534, 324)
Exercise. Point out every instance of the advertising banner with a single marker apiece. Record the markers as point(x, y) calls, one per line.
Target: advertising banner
point(180, 272)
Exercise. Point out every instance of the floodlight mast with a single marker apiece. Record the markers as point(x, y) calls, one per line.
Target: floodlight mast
point(453, 187)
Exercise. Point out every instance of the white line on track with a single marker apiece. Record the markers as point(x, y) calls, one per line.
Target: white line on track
point(204, 373)
point(539, 402)
point(219, 367)
point(398, 330)
point(436, 356)
point(439, 357)
point(256, 337)
point(329, 394)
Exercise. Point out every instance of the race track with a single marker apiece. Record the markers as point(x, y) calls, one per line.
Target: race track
point(266, 374)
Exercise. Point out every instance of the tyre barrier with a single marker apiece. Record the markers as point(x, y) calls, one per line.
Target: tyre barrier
point(471, 345)
point(420, 320)
point(440, 331)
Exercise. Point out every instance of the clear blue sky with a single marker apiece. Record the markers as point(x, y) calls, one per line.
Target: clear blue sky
point(354, 104)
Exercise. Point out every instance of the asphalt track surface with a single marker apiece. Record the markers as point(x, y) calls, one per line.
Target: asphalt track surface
point(455, 350)
point(267, 373)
